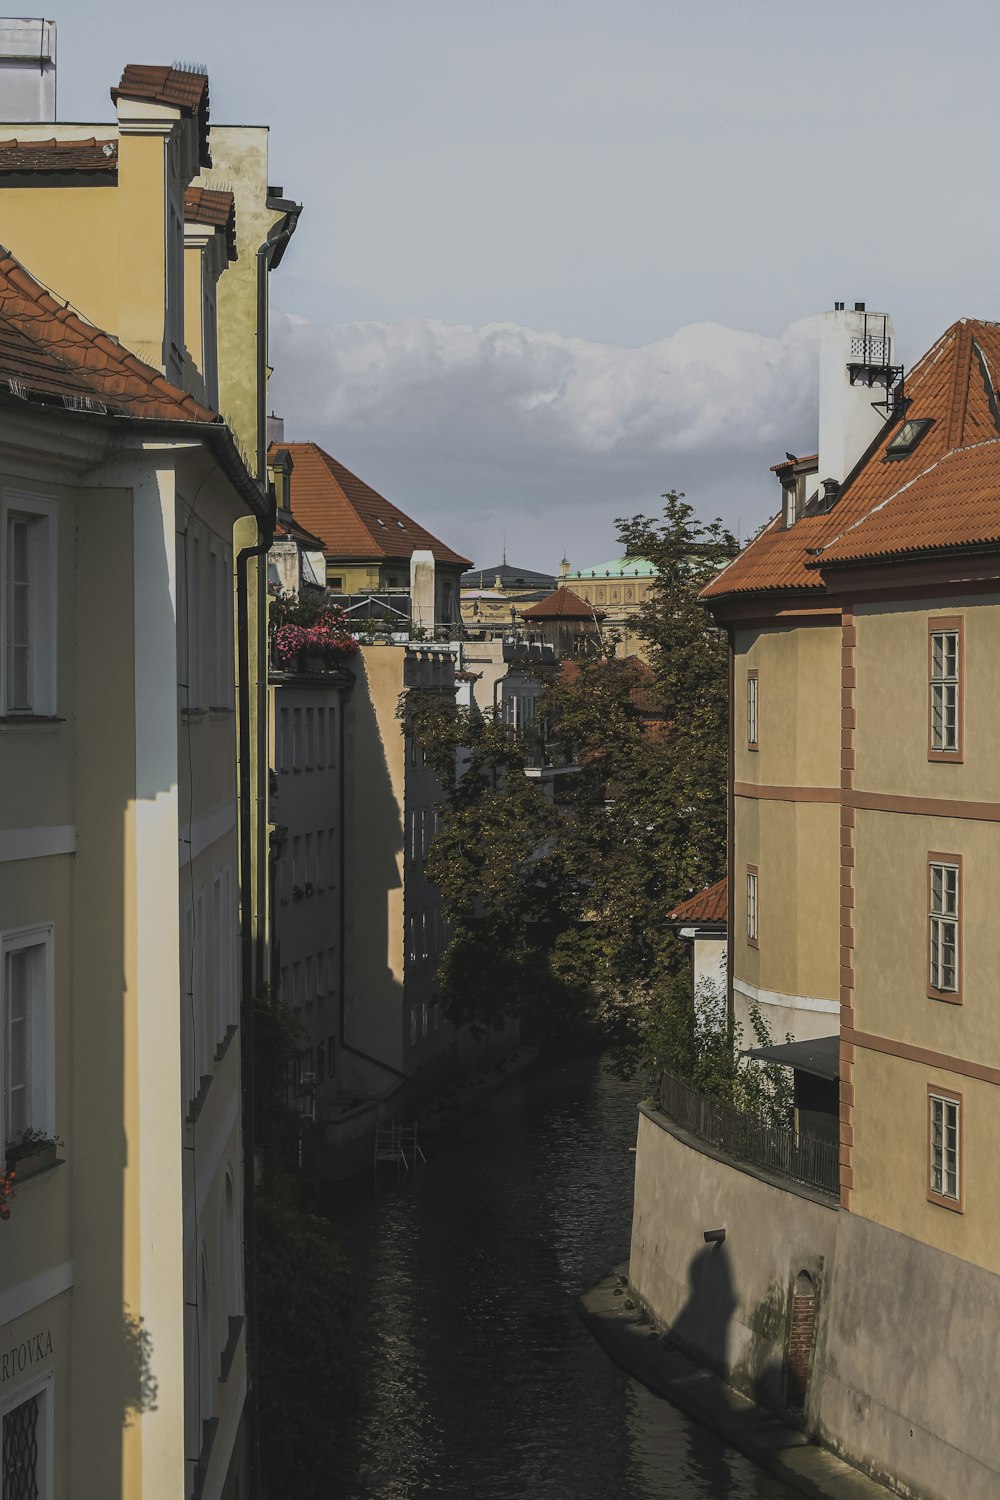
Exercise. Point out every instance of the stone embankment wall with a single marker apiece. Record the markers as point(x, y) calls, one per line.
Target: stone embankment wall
point(904, 1337)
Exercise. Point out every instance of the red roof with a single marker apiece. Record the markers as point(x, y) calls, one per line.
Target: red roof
point(213, 207)
point(789, 463)
point(708, 906)
point(50, 352)
point(357, 524)
point(90, 155)
point(562, 604)
point(944, 493)
point(174, 87)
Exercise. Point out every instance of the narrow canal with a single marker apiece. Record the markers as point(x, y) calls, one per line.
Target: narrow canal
point(478, 1379)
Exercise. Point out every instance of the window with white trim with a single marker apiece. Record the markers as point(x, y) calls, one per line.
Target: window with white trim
point(943, 923)
point(26, 1469)
point(945, 1147)
point(29, 605)
point(752, 700)
point(945, 659)
point(752, 906)
point(26, 1036)
point(220, 626)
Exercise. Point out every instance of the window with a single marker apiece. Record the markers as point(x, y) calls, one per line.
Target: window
point(26, 1036)
point(27, 1444)
point(310, 875)
point(414, 838)
point(332, 735)
point(945, 695)
point(220, 626)
point(944, 926)
point(284, 738)
point(335, 584)
point(413, 1025)
point(321, 859)
point(425, 951)
point(320, 738)
point(296, 739)
point(310, 758)
point(411, 931)
point(330, 873)
point(425, 1019)
point(192, 667)
point(29, 605)
point(752, 905)
point(908, 437)
point(752, 710)
point(310, 980)
point(944, 1149)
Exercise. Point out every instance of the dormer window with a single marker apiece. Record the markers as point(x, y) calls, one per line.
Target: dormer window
point(908, 436)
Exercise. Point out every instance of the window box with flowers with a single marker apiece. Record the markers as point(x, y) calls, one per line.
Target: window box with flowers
point(308, 635)
point(29, 1154)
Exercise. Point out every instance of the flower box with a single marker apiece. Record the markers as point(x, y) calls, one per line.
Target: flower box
point(30, 1159)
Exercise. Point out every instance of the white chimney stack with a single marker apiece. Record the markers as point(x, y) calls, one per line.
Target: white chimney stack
point(422, 589)
point(27, 70)
point(856, 377)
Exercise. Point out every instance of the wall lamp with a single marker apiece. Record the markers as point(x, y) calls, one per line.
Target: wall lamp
point(714, 1236)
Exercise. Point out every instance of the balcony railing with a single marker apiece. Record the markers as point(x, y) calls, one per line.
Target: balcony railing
point(802, 1157)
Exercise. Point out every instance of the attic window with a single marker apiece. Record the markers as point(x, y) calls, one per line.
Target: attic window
point(400, 525)
point(908, 437)
point(380, 520)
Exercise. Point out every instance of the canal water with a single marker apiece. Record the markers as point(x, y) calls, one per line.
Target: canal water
point(478, 1381)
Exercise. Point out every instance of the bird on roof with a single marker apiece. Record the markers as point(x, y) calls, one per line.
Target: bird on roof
point(791, 457)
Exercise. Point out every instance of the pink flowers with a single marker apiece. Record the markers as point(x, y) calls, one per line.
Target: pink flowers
point(326, 637)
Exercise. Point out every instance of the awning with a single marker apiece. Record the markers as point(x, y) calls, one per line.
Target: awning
point(820, 1057)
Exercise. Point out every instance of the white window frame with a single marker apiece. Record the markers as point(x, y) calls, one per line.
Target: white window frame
point(194, 590)
point(944, 925)
point(44, 621)
point(42, 1388)
point(949, 1159)
point(753, 708)
point(946, 691)
point(753, 907)
point(41, 1114)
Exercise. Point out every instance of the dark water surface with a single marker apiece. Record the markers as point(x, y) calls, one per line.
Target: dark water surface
point(479, 1381)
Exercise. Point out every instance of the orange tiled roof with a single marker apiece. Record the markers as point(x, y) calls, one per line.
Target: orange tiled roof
point(51, 353)
point(789, 463)
point(90, 155)
point(214, 207)
point(711, 905)
point(355, 521)
point(944, 493)
point(172, 86)
point(562, 604)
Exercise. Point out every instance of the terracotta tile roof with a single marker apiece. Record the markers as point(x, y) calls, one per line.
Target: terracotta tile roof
point(90, 155)
point(356, 523)
point(214, 207)
point(172, 86)
point(711, 905)
point(789, 463)
point(562, 604)
point(49, 352)
point(944, 493)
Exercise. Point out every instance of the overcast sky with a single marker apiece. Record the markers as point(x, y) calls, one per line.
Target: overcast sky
point(558, 256)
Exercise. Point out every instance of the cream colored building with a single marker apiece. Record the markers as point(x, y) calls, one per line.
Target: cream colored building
point(618, 589)
point(864, 623)
point(129, 961)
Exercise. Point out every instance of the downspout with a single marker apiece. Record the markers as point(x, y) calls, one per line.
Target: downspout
point(252, 953)
point(731, 840)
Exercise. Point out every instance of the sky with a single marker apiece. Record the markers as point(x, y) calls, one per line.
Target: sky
point(558, 257)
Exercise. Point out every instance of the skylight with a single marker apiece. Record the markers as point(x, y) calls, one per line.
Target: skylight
point(380, 520)
point(908, 436)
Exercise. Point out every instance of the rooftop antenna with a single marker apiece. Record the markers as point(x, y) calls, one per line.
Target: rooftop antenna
point(504, 534)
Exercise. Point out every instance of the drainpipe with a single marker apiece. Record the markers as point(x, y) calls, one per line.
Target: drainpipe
point(251, 951)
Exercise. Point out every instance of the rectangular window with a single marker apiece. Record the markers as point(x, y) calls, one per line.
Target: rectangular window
point(297, 877)
point(310, 863)
point(220, 626)
point(320, 738)
point(26, 1035)
point(296, 739)
point(414, 838)
point(413, 1025)
point(27, 1443)
point(331, 858)
point(321, 859)
point(192, 668)
point(425, 1019)
point(284, 739)
point(310, 981)
point(411, 933)
point(332, 735)
point(752, 906)
point(310, 739)
point(425, 951)
point(944, 1149)
point(29, 605)
point(945, 654)
point(752, 691)
point(944, 926)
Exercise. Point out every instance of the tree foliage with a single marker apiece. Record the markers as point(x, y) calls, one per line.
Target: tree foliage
point(557, 913)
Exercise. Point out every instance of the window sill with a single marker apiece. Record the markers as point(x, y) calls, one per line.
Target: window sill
point(954, 1205)
point(22, 1179)
point(194, 713)
point(37, 722)
point(221, 711)
point(947, 997)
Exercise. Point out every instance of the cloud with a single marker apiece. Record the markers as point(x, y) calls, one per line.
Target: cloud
point(475, 427)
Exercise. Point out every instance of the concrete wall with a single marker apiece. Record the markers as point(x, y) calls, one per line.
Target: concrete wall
point(901, 1382)
point(729, 1305)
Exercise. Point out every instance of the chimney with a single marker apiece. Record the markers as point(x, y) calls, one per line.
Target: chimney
point(275, 429)
point(856, 383)
point(422, 590)
point(27, 70)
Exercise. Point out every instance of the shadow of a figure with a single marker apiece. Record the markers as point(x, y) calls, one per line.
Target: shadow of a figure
point(701, 1328)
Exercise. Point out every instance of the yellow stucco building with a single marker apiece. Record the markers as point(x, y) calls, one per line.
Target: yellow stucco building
point(864, 623)
point(132, 898)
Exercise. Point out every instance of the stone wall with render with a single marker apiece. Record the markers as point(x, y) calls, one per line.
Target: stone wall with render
point(901, 1376)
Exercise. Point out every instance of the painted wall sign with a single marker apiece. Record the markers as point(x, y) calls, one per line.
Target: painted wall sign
point(25, 1355)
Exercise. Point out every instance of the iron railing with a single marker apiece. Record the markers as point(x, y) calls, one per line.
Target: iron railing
point(805, 1158)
